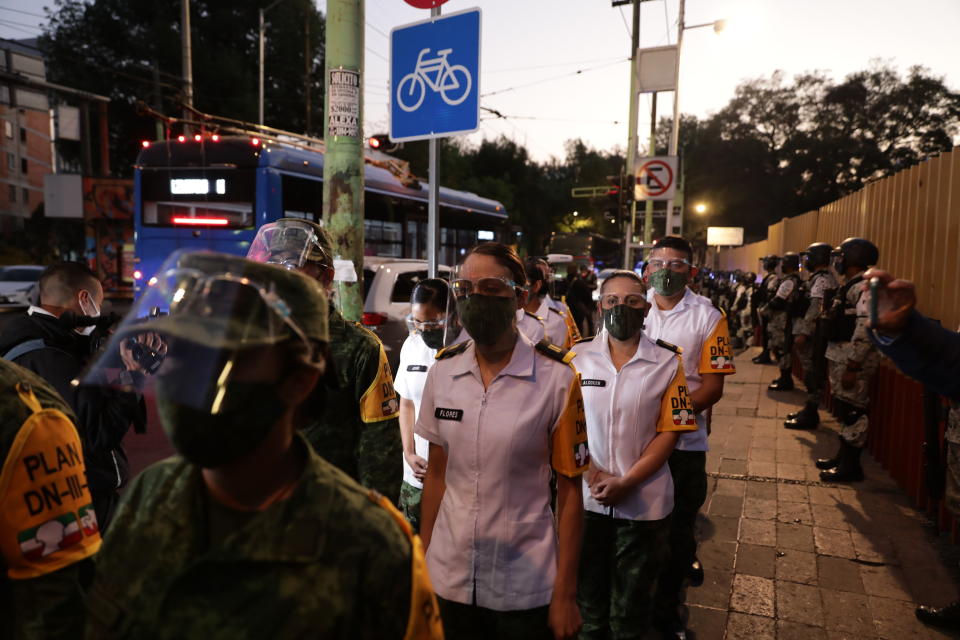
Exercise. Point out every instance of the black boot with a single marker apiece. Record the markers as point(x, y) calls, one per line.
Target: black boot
point(947, 617)
point(830, 463)
point(848, 469)
point(696, 573)
point(763, 358)
point(807, 418)
point(783, 383)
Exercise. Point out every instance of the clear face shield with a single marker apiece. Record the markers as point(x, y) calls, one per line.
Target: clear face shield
point(485, 307)
point(439, 327)
point(202, 338)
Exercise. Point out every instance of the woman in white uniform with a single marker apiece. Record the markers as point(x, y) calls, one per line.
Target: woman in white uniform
point(428, 326)
point(501, 413)
point(634, 393)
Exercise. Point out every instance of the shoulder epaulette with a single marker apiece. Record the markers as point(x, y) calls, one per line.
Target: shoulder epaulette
point(556, 311)
point(452, 350)
point(554, 352)
point(534, 316)
point(671, 347)
point(587, 339)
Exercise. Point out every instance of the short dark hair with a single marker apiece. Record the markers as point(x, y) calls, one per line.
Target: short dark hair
point(624, 273)
point(505, 256)
point(432, 291)
point(674, 242)
point(534, 273)
point(62, 280)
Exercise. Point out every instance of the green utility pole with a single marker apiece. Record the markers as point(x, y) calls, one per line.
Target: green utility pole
point(343, 156)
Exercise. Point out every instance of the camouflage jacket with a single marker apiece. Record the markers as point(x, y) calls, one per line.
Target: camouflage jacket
point(357, 427)
point(328, 562)
point(859, 348)
point(49, 603)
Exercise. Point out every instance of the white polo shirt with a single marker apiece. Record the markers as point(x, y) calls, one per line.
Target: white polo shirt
point(701, 330)
point(495, 534)
point(625, 411)
point(416, 358)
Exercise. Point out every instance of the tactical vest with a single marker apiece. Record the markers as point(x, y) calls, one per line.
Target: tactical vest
point(843, 315)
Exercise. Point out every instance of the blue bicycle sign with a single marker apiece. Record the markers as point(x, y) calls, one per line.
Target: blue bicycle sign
point(435, 77)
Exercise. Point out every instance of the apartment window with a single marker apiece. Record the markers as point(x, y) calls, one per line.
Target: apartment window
point(13, 194)
point(26, 196)
point(11, 161)
point(23, 135)
point(8, 128)
point(23, 165)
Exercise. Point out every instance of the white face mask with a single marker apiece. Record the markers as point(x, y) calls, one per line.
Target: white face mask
point(94, 313)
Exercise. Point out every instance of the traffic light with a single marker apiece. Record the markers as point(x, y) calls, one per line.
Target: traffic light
point(381, 142)
point(614, 196)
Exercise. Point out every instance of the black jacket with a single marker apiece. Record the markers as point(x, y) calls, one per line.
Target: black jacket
point(103, 415)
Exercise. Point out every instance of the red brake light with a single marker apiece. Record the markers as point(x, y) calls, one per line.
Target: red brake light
point(215, 138)
point(255, 142)
point(197, 137)
point(373, 319)
point(374, 143)
point(145, 144)
point(181, 138)
point(214, 222)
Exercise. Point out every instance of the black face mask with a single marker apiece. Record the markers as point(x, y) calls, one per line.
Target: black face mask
point(623, 322)
point(486, 318)
point(433, 338)
point(250, 411)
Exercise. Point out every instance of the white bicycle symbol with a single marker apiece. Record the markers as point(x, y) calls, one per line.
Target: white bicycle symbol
point(452, 82)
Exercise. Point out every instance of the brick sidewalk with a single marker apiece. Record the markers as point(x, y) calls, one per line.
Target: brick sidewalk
point(787, 556)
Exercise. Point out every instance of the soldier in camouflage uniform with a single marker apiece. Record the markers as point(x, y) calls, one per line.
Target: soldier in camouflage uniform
point(765, 291)
point(356, 426)
point(779, 309)
point(924, 350)
point(249, 533)
point(852, 360)
point(808, 333)
point(45, 544)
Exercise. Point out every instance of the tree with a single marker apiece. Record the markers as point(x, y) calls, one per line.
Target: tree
point(130, 50)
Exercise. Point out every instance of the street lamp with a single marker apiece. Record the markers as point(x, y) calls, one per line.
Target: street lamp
point(700, 208)
point(262, 33)
point(718, 26)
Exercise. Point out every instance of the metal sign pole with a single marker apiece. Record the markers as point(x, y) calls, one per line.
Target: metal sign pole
point(433, 214)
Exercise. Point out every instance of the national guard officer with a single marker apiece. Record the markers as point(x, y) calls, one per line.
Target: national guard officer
point(634, 394)
point(781, 310)
point(356, 428)
point(558, 305)
point(501, 413)
point(808, 333)
point(679, 316)
point(248, 533)
point(538, 320)
point(429, 330)
point(766, 291)
point(852, 359)
point(48, 527)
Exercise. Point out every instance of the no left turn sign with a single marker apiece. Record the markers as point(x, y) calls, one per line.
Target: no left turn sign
point(656, 178)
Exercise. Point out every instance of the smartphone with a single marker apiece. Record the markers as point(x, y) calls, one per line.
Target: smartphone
point(874, 299)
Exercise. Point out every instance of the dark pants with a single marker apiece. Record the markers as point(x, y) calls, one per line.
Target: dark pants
point(469, 622)
point(619, 565)
point(689, 472)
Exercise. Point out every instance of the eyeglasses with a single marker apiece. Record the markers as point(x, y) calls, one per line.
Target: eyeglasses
point(634, 301)
point(673, 265)
point(491, 286)
point(419, 326)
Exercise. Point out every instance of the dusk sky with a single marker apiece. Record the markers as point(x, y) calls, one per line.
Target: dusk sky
point(531, 50)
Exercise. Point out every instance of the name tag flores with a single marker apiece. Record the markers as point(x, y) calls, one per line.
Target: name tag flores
point(593, 382)
point(448, 414)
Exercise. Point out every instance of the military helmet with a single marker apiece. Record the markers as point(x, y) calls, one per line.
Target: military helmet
point(790, 260)
point(749, 277)
point(292, 242)
point(770, 262)
point(817, 254)
point(858, 251)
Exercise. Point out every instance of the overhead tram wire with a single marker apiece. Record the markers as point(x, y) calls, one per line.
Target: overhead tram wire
point(4, 23)
point(377, 30)
point(554, 64)
point(26, 13)
point(497, 115)
point(550, 79)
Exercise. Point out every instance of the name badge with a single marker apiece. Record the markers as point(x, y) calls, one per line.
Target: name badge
point(448, 414)
point(593, 382)
point(417, 367)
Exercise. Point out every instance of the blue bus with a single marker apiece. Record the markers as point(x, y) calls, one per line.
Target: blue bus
point(213, 192)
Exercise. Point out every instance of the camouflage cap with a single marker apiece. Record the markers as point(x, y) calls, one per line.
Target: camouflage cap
point(225, 301)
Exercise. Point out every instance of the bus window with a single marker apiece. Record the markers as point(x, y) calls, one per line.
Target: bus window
point(302, 198)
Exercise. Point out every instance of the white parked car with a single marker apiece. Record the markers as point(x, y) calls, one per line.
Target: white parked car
point(18, 284)
point(388, 284)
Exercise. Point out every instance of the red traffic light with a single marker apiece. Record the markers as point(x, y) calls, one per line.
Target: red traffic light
point(145, 144)
point(374, 142)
